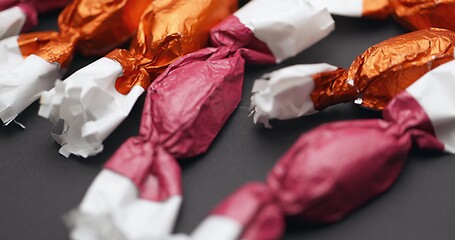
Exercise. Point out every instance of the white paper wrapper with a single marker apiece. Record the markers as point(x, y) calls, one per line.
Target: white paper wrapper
point(111, 210)
point(286, 26)
point(10, 53)
point(178, 237)
point(435, 94)
point(348, 8)
point(218, 227)
point(285, 93)
point(90, 107)
point(11, 22)
point(213, 227)
point(22, 85)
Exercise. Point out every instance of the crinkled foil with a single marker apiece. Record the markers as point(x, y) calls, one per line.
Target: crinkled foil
point(99, 23)
point(168, 30)
point(29, 43)
point(91, 27)
point(133, 74)
point(133, 12)
point(413, 14)
point(328, 86)
point(421, 14)
point(385, 69)
point(389, 67)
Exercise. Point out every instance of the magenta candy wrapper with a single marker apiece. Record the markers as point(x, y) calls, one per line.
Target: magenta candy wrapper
point(338, 167)
point(181, 117)
point(308, 182)
point(189, 103)
point(185, 108)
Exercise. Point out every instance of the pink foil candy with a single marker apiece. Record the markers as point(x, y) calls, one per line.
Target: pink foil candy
point(185, 109)
point(336, 168)
point(18, 16)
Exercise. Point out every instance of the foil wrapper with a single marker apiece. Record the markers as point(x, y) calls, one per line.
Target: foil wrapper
point(373, 79)
point(412, 14)
point(415, 14)
point(88, 27)
point(186, 107)
point(310, 185)
point(18, 16)
point(168, 30)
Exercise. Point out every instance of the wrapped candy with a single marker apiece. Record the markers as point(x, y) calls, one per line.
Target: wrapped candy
point(19, 16)
point(167, 31)
point(336, 168)
point(412, 14)
point(35, 60)
point(373, 79)
point(185, 108)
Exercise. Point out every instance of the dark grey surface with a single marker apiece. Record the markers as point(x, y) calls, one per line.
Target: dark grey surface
point(37, 185)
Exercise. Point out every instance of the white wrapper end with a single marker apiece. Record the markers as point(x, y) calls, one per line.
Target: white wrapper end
point(348, 8)
point(218, 227)
point(111, 210)
point(11, 22)
point(213, 227)
point(21, 86)
point(90, 106)
point(10, 55)
point(302, 22)
point(177, 237)
point(287, 93)
point(435, 94)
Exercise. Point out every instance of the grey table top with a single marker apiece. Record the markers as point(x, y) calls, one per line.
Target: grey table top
point(38, 185)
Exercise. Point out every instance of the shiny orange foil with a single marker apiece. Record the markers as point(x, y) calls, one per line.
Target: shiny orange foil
point(133, 13)
point(421, 14)
point(29, 43)
point(168, 30)
point(414, 14)
point(391, 66)
point(386, 69)
point(93, 27)
point(328, 86)
point(377, 9)
point(133, 73)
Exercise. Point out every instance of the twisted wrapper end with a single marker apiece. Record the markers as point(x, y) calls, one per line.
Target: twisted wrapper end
point(90, 107)
point(286, 93)
point(112, 210)
point(259, 115)
point(85, 226)
point(21, 86)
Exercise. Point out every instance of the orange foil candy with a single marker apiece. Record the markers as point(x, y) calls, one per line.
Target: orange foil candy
point(168, 30)
point(420, 14)
point(30, 43)
point(385, 69)
point(90, 27)
point(413, 14)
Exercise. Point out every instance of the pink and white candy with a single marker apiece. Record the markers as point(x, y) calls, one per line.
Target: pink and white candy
point(338, 167)
point(185, 109)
